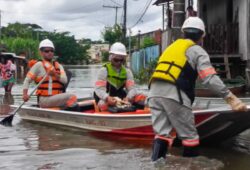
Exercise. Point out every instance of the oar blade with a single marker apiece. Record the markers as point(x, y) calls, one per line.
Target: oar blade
point(7, 121)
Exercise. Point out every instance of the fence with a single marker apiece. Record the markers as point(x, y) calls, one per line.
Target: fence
point(222, 39)
point(140, 59)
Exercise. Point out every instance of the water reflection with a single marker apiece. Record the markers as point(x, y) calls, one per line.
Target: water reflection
point(5, 101)
point(69, 147)
point(47, 137)
point(8, 99)
point(84, 77)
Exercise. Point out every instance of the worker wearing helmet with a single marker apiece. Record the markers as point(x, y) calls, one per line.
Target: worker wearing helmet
point(115, 80)
point(172, 88)
point(50, 92)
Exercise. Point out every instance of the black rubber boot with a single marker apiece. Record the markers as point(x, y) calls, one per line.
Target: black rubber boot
point(190, 151)
point(75, 108)
point(159, 149)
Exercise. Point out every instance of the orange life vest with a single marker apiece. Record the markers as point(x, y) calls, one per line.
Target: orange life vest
point(51, 85)
point(32, 62)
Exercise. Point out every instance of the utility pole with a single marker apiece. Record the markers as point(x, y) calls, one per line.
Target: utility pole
point(139, 40)
point(163, 17)
point(129, 42)
point(116, 10)
point(124, 28)
point(178, 17)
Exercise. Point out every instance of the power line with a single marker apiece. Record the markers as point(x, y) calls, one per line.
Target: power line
point(116, 10)
point(144, 12)
point(116, 3)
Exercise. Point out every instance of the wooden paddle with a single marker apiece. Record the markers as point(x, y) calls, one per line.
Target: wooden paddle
point(7, 121)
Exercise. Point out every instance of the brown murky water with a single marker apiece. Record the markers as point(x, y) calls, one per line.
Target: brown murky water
point(32, 146)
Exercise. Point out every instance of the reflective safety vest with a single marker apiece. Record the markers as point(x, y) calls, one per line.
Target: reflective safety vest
point(116, 81)
point(174, 68)
point(51, 85)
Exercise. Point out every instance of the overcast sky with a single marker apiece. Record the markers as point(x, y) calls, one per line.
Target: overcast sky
point(82, 18)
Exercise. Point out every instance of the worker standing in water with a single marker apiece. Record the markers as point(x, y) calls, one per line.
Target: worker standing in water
point(172, 87)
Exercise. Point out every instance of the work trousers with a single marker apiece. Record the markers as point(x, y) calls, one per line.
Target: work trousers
point(63, 100)
point(168, 114)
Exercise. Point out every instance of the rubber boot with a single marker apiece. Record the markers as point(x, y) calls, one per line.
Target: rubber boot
point(159, 149)
point(191, 151)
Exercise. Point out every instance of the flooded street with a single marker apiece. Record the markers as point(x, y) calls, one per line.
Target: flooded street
point(33, 146)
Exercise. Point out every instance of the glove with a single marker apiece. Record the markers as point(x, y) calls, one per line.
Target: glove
point(235, 103)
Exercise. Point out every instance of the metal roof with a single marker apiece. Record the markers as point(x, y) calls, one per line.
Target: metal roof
point(6, 54)
point(159, 2)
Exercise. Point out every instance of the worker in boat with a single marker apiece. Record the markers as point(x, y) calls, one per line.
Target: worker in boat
point(115, 80)
point(172, 88)
point(50, 92)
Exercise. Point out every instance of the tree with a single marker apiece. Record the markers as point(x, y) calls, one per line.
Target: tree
point(148, 41)
point(17, 29)
point(112, 34)
point(25, 38)
point(85, 41)
point(68, 50)
point(105, 56)
point(20, 45)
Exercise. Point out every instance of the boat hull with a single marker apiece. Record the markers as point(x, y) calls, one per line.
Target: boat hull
point(205, 92)
point(213, 125)
point(135, 124)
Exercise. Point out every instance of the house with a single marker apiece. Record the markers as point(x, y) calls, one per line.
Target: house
point(227, 32)
point(96, 51)
point(146, 48)
point(154, 35)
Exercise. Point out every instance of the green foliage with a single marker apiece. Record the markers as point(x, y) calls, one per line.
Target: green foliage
point(112, 34)
point(20, 30)
point(21, 45)
point(148, 41)
point(85, 41)
point(144, 74)
point(133, 42)
point(68, 50)
point(25, 38)
point(105, 56)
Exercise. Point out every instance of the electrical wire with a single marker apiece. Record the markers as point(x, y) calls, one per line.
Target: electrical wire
point(142, 15)
point(120, 5)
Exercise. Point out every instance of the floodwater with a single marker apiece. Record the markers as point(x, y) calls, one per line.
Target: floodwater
point(32, 146)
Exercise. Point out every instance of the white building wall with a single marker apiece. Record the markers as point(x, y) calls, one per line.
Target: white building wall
point(96, 50)
point(242, 7)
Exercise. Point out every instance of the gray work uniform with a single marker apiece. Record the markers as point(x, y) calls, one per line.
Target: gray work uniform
point(163, 99)
point(101, 91)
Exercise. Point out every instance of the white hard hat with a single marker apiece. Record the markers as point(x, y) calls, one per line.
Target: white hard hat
point(194, 22)
point(46, 43)
point(118, 48)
